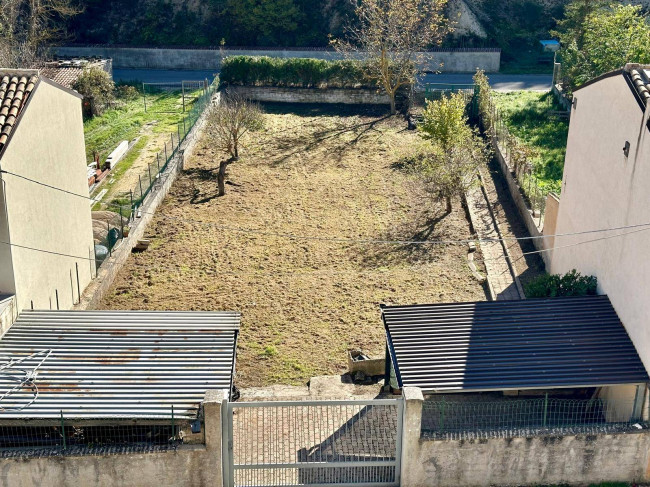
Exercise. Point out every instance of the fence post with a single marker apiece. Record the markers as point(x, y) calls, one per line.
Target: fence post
point(173, 425)
point(63, 430)
point(545, 408)
point(149, 171)
point(178, 127)
point(56, 292)
point(140, 182)
point(158, 161)
point(121, 223)
point(166, 158)
point(411, 431)
point(132, 208)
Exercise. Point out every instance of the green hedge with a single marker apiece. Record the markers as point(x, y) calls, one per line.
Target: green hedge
point(293, 72)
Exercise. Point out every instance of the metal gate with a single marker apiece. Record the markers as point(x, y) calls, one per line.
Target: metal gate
point(315, 443)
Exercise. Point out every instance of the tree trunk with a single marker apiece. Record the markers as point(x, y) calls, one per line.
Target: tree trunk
point(448, 200)
point(393, 110)
point(221, 177)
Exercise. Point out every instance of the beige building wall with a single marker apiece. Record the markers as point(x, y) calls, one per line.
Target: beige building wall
point(601, 189)
point(48, 146)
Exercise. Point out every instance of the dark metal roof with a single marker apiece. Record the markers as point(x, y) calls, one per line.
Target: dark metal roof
point(99, 364)
point(523, 344)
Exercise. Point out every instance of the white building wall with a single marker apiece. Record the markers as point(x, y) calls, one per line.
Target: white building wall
point(48, 146)
point(601, 189)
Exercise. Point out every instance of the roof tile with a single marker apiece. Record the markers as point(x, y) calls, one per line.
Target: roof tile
point(15, 89)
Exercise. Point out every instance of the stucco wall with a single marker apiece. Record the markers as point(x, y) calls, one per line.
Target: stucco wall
point(7, 283)
point(550, 222)
point(452, 61)
point(48, 146)
point(307, 95)
point(601, 189)
point(539, 460)
point(189, 466)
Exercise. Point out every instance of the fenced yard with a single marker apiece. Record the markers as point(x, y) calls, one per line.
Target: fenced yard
point(288, 245)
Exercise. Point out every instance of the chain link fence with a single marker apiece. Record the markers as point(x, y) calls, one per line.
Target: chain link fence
point(457, 419)
point(518, 157)
point(111, 221)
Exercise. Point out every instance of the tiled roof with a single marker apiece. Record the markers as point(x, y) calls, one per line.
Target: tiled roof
point(641, 78)
point(66, 72)
point(15, 89)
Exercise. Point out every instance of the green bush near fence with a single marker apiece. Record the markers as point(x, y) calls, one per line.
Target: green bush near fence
point(293, 72)
point(555, 285)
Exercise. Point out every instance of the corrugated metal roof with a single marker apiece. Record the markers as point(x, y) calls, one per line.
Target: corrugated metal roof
point(523, 344)
point(117, 363)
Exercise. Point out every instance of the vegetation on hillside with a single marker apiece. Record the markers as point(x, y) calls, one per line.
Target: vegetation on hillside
point(598, 37)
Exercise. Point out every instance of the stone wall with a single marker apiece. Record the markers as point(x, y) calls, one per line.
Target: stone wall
point(312, 95)
point(445, 60)
point(188, 466)
point(538, 460)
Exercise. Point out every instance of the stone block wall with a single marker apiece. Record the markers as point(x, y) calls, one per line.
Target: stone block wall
point(312, 95)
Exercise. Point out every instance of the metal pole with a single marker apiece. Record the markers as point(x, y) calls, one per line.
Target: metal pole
point(56, 291)
point(72, 287)
point(32, 302)
point(149, 171)
point(173, 425)
point(140, 181)
point(131, 195)
point(166, 159)
point(108, 238)
point(545, 408)
point(63, 430)
point(121, 223)
point(78, 285)
point(158, 161)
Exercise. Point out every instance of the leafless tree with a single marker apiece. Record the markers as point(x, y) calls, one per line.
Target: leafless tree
point(227, 123)
point(28, 27)
point(393, 36)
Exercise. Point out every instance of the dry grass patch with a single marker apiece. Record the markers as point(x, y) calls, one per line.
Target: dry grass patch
point(304, 302)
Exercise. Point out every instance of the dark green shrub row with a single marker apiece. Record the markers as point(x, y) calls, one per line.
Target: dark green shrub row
point(570, 284)
point(293, 72)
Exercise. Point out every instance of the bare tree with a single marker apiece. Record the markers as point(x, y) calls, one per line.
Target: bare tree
point(393, 36)
point(27, 27)
point(227, 123)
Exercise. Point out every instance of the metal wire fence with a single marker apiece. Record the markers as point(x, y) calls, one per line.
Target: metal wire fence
point(171, 149)
point(68, 436)
point(458, 419)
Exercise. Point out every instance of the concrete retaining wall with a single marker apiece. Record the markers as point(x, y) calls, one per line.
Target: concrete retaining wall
point(540, 460)
point(189, 466)
point(312, 95)
point(533, 224)
point(445, 60)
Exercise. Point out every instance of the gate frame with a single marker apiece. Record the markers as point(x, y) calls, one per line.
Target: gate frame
point(228, 462)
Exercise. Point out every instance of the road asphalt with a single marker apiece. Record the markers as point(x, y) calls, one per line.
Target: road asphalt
point(500, 82)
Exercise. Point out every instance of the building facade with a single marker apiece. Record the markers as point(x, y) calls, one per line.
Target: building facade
point(605, 186)
point(47, 252)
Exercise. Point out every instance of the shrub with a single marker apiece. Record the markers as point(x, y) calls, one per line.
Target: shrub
point(98, 90)
point(293, 72)
point(570, 284)
point(127, 92)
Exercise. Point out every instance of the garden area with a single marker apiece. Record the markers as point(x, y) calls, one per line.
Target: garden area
point(533, 118)
point(148, 131)
point(303, 243)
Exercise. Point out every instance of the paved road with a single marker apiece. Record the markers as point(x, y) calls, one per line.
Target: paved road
point(500, 82)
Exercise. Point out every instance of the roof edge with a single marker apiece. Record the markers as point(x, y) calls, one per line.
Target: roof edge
point(603, 76)
point(61, 87)
point(19, 118)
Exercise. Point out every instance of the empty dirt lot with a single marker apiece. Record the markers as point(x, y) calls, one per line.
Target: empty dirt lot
point(287, 246)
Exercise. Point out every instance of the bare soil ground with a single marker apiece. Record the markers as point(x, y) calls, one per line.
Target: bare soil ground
point(304, 301)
